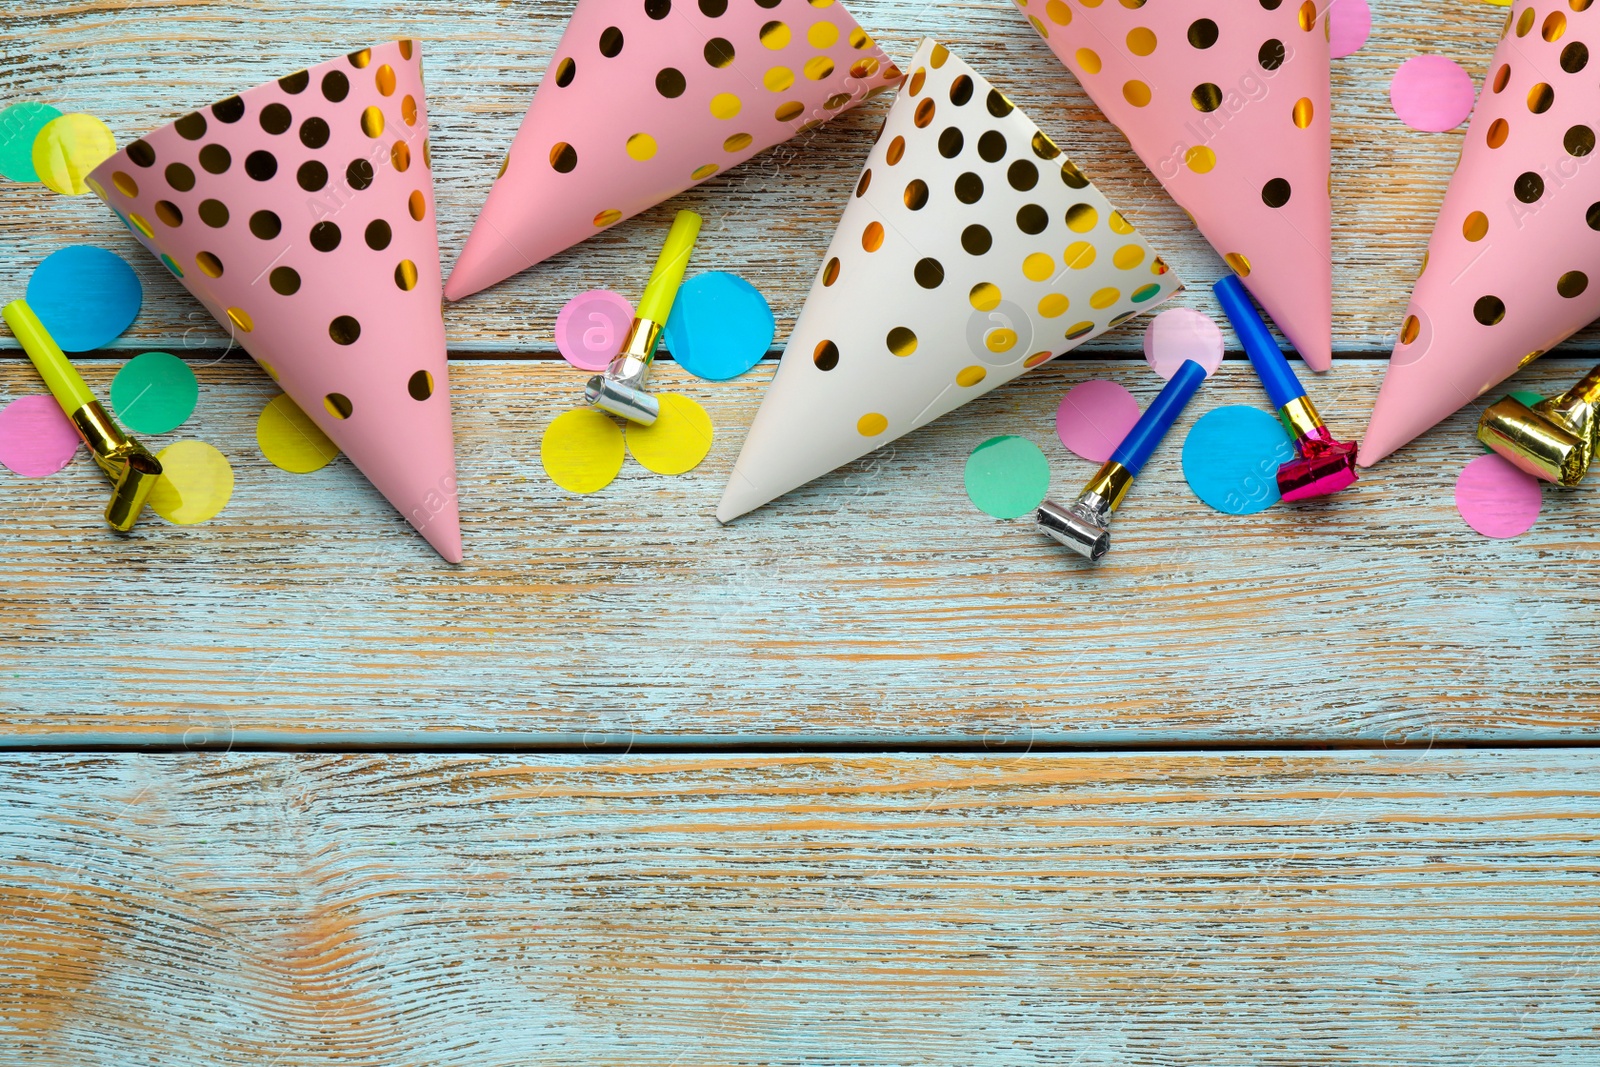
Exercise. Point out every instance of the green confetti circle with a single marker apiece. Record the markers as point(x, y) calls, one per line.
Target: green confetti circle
point(154, 393)
point(19, 125)
point(1007, 477)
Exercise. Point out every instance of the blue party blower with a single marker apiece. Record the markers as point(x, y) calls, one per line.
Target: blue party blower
point(1325, 466)
point(1085, 527)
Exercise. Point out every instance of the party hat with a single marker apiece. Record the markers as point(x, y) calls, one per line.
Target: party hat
point(300, 213)
point(1227, 103)
point(1513, 266)
point(971, 251)
point(644, 99)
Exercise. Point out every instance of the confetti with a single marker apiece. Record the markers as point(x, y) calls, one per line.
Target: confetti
point(67, 148)
point(1496, 499)
point(36, 439)
point(1431, 93)
point(1181, 334)
point(196, 483)
point(1007, 477)
point(1231, 459)
point(591, 327)
point(154, 393)
point(290, 440)
point(1094, 417)
point(720, 326)
point(85, 296)
point(678, 440)
point(19, 127)
point(582, 450)
point(1349, 26)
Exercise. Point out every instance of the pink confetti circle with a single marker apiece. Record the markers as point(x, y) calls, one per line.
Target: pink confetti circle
point(1349, 25)
point(36, 439)
point(591, 328)
point(1431, 93)
point(1094, 417)
point(1178, 335)
point(1497, 499)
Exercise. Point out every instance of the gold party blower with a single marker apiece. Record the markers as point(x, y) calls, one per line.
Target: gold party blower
point(1555, 439)
point(132, 469)
point(621, 389)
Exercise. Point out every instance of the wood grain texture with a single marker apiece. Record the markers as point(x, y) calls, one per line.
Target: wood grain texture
point(141, 65)
point(875, 603)
point(1339, 910)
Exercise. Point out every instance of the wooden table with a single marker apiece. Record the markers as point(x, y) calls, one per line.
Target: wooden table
point(866, 777)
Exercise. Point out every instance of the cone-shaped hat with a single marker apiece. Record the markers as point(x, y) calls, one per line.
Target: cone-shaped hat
point(1513, 266)
point(971, 251)
point(645, 98)
point(300, 213)
point(1226, 101)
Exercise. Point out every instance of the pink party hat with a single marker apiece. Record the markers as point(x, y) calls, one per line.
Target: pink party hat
point(644, 99)
point(1513, 266)
point(1227, 103)
point(972, 251)
point(300, 213)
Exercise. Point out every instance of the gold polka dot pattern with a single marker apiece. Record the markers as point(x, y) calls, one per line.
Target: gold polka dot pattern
point(953, 240)
point(343, 305)
point(634, 108)
point(1515, 244)
point(1223, 100)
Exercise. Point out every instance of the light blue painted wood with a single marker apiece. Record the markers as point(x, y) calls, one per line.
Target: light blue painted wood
point(1339, 909)
point(874, 604)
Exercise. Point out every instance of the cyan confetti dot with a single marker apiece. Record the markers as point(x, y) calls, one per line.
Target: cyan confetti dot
point(85, 296)
point(1231, 459)
point(720, 326)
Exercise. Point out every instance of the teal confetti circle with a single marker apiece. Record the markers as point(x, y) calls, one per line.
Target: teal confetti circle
point(1007, 477)
point(19, 126)
point(154, 393)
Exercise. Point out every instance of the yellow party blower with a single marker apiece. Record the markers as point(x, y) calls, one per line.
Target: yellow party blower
point(132, 469)
point(621, 389)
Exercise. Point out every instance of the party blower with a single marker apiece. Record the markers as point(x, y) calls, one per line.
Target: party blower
point(1325, 466)
point(621, 389)
point(1085, 527)
point(1555, 439)
point(132, 469)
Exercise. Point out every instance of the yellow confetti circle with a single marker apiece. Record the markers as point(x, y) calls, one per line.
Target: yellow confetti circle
point(68, 148)
point(678, 440)
point(582, 450)
point(196, 482)
point(290, 440)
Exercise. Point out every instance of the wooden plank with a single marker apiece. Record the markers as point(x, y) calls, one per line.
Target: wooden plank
point(1336, 909)
point(874, 604)
point(141, 65)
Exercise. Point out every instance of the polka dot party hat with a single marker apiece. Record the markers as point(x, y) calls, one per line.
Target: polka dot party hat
point(971, 251)
point(645, 98)
point(1226, 101)
point(300, 213)
point(1513, 266)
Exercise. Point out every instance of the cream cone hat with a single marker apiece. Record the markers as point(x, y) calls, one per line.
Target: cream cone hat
point(1226, 101)
point(1513, 266)
point(971, 251)
point(300, 213)
point(645, 98)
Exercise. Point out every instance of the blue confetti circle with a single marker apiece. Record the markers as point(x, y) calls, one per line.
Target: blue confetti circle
point(720, 326)
point(85, 296)
point(1231, 459)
